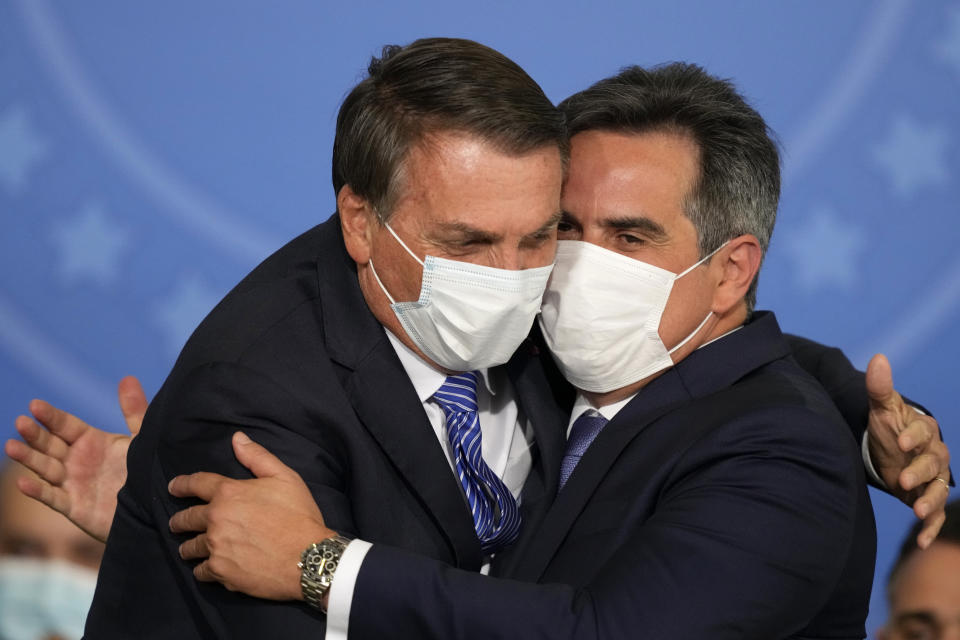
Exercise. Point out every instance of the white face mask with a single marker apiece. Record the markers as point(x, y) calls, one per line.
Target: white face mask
point(601, 316)
point(469, 316)
point(40, 598)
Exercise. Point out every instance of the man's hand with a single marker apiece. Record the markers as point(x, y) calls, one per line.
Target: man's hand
point(252, 532)
point(907, 451)
point(80, 467)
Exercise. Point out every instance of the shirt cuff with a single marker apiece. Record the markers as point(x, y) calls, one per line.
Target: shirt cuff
point(341, 589)
point(867, 462)
point(865, 452)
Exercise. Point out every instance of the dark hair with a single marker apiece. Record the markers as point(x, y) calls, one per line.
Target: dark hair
point(950, 533)
point(738, 188)
point(436, 85)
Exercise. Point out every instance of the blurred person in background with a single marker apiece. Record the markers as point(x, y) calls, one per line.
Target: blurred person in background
point(923, 590)
point(48, 566)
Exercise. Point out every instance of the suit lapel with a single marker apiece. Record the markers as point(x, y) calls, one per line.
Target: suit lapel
point(666, 393)
point(545, 408)
point(702, 373)
point(386, 402)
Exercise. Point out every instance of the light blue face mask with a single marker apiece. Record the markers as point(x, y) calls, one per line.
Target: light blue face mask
point(469, 316)
point(41, 598)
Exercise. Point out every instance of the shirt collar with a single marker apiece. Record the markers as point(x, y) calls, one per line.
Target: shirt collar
point(609, 411)
point(426, 380)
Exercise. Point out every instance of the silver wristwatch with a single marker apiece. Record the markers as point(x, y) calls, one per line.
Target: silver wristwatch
point(318, 563)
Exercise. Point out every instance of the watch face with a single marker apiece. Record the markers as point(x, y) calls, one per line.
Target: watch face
point(321, 561)
point(318, 563)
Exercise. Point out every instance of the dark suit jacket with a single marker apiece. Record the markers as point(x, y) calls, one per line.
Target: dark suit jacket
point(727, 500)
point(294, 357)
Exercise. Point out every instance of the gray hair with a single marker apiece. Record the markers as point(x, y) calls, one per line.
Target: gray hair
point(738, 188)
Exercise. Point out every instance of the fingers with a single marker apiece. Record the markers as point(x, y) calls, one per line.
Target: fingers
point(931, 527)
point(49, 469)
point(933, 499)
point(921, 470)
point(204, 573)
point(40, 439)
point(54, 497)
point(256, 458)
point(195, 548)
point(201, 485)
point(918, 433)
point(880, 380)
point(59, 422)
point(133, 402)
point(190, 519)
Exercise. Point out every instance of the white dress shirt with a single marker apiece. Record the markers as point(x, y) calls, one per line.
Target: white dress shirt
point(507, 438)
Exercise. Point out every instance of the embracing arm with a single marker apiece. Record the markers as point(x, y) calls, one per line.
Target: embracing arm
point(736, 534)
point(905, 446)
point(188, 429)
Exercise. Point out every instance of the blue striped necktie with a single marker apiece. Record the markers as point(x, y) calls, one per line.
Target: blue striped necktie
point(584, 430)
point(496, 517)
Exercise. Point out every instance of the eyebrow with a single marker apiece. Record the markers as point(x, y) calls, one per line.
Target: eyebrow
point(552, 222)
point(917, 616)
point(468, 232)
point(654, 230)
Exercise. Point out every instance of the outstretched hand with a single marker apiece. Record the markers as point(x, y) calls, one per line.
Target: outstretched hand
point(251, 532)
point(907, 451)
point(80, 467)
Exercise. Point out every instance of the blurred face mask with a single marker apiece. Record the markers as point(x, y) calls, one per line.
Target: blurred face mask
point(41, 598)
point(601, 316)
point(469, 316)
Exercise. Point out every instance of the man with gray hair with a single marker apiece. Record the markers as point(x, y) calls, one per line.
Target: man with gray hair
point(709, 487)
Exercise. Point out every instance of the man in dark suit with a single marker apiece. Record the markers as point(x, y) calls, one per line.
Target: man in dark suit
point(452, 150)
point(710, 489)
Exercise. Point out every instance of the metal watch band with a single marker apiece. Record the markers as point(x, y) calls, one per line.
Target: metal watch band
point(318, 563)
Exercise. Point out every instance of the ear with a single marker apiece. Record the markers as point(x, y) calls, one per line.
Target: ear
point(735, 266)
point(357, 220)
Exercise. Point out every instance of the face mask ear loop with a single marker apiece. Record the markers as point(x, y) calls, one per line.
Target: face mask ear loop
point(695, 332)
point(382, 288)
point(402, 244)
point(694, 266)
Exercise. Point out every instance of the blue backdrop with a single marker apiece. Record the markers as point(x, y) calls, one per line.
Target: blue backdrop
point(152, 153)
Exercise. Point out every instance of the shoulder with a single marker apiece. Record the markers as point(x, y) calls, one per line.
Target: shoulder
point(777, 413)
point(278, 300)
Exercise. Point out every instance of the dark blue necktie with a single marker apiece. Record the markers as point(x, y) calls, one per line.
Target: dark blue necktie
point(496, 517)
point(584, 430)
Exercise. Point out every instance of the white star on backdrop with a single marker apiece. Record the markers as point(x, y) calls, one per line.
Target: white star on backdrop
point(913, 155)
point(21, 148)
point(90, 246)
point(824, 250)
point(183, 309)
point(948, 46)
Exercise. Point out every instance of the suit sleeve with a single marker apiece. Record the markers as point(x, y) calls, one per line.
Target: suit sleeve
point(749, 540)
point(145, 590)
point(845, 384)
